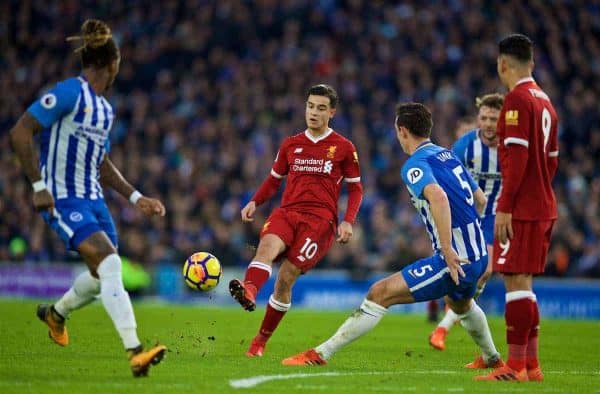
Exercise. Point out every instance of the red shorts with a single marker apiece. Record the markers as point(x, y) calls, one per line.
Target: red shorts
point(307, 237)
point(526, 252)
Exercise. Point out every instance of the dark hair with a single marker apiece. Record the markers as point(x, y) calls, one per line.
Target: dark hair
point(98, 49)
point(492, 100)
point(518, 46)
point(416, 117)
point(325, 90)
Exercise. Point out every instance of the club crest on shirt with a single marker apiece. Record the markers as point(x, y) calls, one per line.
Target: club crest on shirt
point(48, 101)
point(265, 226)
point(355, 156)
point(75, 216)
point(512, 117)
point(331, 151)
point(414, 175)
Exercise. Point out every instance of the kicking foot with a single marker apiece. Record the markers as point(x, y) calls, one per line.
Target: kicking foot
point(243, 293)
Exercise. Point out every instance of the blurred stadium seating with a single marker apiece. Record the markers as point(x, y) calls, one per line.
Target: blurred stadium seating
point(208, 89)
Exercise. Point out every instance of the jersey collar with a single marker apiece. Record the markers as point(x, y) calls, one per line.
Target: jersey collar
point(525, 80)
point(423, 144)
point(319, 138)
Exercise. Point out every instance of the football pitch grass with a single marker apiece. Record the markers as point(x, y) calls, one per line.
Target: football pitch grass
point(207, 344)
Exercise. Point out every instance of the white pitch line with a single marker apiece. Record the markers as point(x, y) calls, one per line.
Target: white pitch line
point(256, 380)
point(260, 379)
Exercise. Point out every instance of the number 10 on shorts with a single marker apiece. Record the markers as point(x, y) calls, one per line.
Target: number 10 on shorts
point(308, 250)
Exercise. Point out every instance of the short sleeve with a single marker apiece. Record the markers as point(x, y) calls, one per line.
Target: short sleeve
point(350, 165)
point(516, 120)
point(417, 175)
point(280, 167)
point(56, 103)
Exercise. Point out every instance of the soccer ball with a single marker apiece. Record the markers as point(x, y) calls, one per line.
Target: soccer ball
point(202, 271)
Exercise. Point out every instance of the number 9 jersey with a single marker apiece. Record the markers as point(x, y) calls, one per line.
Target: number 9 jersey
point(529, 120)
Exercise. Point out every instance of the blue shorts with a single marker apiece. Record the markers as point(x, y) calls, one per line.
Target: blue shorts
point(76, 219)
point(429, 279)
point(487, 225)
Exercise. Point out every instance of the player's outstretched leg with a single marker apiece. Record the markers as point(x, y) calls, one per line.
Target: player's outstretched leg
point(140, 360)
point(244, 292)
point(57, 331)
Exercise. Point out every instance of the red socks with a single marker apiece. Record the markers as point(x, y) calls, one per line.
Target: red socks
point(519, 321)
point(275, 312)
point(257, 274)
point(531, 356)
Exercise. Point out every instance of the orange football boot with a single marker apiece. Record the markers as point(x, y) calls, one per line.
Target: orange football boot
point(256, 349)
point(506, 374)
point(140, 360)
point(437, 339)
point(56, 325)
point(480, 363)
point(309, 357)
point(535, 375)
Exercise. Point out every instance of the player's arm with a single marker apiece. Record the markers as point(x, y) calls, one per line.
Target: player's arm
point(21, 140)
point(440, 210)
point(513, 162)
point(351, 173)
point(111, 177)
point(269, 186)
point(480, 201)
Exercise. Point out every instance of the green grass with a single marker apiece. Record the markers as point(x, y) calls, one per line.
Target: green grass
point(395, 357)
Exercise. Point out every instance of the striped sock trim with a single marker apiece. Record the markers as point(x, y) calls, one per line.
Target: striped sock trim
point(279, 306)
point(519, 295)
point(261, 266)
point(372, 308)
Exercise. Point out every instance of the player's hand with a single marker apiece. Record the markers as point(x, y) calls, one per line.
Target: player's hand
point(43, 201)
point(344, 232)
point(453, 261)
point(150, 206)
point(503, 230)
point(248, 212)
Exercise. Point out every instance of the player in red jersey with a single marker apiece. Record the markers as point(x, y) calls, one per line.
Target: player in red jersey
point(303, 228)
point(526, 211)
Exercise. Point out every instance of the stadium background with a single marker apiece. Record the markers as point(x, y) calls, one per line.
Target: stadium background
point(207, 91)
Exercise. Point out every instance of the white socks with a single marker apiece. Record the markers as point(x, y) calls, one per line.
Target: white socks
point(359, 323)
point(116, 300)
point(475, 322)
point(449, 319)
point(84, 290)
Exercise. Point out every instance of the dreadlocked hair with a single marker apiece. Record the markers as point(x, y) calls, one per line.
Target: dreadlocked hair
point(98, 48)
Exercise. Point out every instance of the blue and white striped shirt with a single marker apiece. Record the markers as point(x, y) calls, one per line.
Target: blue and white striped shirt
point(75, 138)
point(433, 164)
point(483, 164)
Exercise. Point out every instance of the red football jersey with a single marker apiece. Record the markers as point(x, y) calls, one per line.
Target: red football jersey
point(529, 119)
point(315, 169)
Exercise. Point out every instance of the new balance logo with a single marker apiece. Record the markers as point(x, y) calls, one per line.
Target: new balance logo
point(298, 150)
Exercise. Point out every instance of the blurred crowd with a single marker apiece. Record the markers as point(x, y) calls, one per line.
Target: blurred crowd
point(208, 89)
